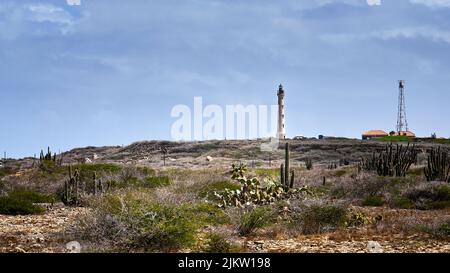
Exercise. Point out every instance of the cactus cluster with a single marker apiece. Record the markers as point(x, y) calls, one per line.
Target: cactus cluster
point(71, 195)
point(438, 166)
point(332, 165)
point(75, 188)
point(391, 161)
point(44, 159)
point(287, 176)
point(252, 193)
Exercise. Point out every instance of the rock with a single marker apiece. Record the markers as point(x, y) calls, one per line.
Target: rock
point(20, 250)
point(209, 158)
point(87, 161)
point(73, 247)
point(259, 242)
point(374, 247)
point(95, 157)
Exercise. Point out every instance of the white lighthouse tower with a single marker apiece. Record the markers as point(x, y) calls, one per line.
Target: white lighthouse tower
point(281, 114)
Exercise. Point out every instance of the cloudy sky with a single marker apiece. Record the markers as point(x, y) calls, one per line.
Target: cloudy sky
point(108, 72)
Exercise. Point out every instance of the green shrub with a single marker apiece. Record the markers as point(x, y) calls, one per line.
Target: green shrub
point(373, 201)
point(146, 171)
point(210, 214)
point(31, 196)
point(357, 218)
point(165, 227)
point(207, 190)
point(134, 221)
point(403, 203)
point(218, 244)
point(98, 168)
point(320, 218)
point(13, 206)
point(157, 181)
point(250, 219)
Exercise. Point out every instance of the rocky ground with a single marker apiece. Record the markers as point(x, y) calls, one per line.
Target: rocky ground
point(45, 234)
point(36, 233)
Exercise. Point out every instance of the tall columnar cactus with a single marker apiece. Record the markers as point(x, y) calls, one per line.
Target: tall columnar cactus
point(285, 170)
point(392, 161)
point(287, 165)
point(71, 194)
point(438, 167)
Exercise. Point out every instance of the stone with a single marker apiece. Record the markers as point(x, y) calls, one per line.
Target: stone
point(374, 247)
point(73, 247)
point(209, 158)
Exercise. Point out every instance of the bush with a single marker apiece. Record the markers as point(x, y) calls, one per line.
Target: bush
point(434, 196)
point(13, 206)
point(319, 218)
point(209, 213)
point(248, 220)
point(373, 201)
point(207, 190)
point(31, 196)
point(441, 231)
point(218, 244)
point(157, 181)
point(403, 203)
point(134, 221)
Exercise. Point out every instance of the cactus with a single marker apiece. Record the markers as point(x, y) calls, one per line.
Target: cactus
point(71, 196)
point(333, 165)
point(292, 179)
point(285, 170)
point(308, 164)
point(391, 162)
point(164, 152)
point(438, 166)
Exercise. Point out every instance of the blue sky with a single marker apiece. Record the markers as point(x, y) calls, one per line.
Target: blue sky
point(108, 72)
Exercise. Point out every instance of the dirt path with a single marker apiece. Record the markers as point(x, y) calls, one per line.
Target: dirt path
point(36, 233)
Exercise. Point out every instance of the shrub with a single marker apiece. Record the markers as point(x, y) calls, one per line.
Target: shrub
point(440, 231)
point(434, 196)
point(89, 169)
point(218, 244)
point(208, 213)
point(373, 201)
point(248, 220)
point(319, 218)
point(13, 206)
point(31, 196)
point(403, 203)
point(207, 190)
point(157, 181)
point(135, 221)
point(358, 218)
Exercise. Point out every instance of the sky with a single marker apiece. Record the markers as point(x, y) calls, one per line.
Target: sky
point(108, 72)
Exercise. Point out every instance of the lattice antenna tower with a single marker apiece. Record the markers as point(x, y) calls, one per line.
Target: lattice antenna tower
point(402, 123)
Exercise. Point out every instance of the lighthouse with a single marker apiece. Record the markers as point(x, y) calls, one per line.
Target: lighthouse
point(281, 114)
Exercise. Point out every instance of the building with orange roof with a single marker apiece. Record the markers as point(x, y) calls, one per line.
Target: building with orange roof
point(374, 134)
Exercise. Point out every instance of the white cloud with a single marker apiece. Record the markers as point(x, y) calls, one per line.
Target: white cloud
point(48, 13)
point(73, 2)
point(374, 2)
point(432, 3)
point(414, 32)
